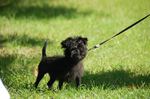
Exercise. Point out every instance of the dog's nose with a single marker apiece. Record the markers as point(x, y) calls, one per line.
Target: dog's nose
point(74, 52)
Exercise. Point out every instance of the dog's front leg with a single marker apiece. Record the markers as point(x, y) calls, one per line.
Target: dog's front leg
point(78, 81)
point(60, 84)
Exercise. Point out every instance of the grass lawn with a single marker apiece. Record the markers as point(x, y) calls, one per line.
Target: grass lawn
point(118, 69)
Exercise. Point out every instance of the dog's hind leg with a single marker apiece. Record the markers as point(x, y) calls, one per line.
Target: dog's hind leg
point(39, 77)
point(51, 81)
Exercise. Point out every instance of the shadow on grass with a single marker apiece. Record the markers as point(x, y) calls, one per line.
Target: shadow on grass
point(115, 79)
point(41, 12)
point(22, 40)
point(5, 62)
point(2, 41)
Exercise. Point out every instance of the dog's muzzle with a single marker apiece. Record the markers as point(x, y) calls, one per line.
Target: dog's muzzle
point(75, 54)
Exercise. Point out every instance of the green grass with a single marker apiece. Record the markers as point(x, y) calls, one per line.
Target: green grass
point(119, 69)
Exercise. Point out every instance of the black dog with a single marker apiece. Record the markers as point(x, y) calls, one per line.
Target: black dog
point(64, 68)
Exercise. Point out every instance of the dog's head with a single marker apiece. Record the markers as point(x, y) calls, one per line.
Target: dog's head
point(75, 47)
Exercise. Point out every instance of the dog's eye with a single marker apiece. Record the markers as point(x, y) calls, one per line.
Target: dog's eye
point(80, 42)
point(80, 45)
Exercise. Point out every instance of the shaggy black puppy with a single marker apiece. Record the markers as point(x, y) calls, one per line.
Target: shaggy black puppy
point(64, 68)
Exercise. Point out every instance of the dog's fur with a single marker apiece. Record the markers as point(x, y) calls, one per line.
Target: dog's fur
point(64, 68)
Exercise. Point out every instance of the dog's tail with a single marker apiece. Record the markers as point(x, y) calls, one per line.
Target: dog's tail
point(44, 49)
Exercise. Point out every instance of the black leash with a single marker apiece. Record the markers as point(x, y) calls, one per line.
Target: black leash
point(98, 45)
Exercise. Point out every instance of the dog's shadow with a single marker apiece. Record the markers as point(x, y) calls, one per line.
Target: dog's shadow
point(115, 79)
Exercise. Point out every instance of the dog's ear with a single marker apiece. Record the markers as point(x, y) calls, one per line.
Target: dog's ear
point(84, 40)
point(66, 43)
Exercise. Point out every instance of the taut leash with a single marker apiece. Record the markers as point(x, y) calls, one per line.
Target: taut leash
point(98, 45)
